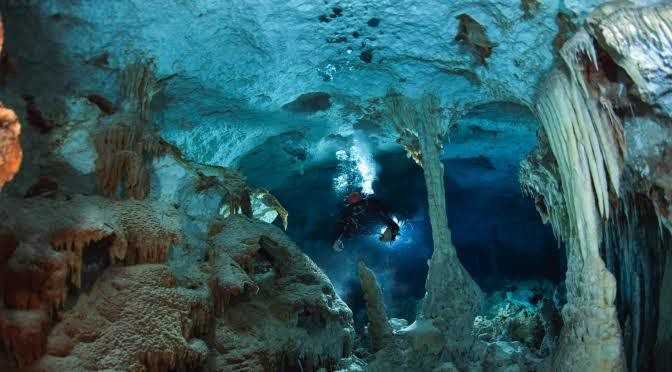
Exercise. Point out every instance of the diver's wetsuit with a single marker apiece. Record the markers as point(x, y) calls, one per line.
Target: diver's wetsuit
point(363, 217)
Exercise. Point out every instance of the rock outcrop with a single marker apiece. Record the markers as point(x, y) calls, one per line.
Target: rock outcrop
point(134, 318)
point(260, 304)
point(151, 265)
point(281, 312)
point(10, 148)
point(49, 245)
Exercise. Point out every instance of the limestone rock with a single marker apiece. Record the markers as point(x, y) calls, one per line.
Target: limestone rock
point(378, 329)
point(289, 317)
point(135, 318)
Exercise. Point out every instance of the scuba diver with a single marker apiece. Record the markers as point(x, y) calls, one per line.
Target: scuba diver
point(361, 216)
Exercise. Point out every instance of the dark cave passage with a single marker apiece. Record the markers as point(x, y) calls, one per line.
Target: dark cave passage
point(499, 236)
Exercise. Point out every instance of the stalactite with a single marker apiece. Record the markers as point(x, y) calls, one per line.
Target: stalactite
point(236, 195)
point(71, 242)
point(138, 85)
point(539, 178)
point(401, 111)
point(126, 142)
point(379, 329)
point(123, 155)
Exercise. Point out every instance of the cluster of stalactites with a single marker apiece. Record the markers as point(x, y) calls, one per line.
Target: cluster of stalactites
point(584, 133)
point(71, 243)
point(138, 84)
point(586, 139)
point(123, 154)
point(236, 197)
point(127, 142)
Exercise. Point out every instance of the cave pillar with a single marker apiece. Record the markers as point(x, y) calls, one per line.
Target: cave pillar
point(576, 128)
point(453, 298)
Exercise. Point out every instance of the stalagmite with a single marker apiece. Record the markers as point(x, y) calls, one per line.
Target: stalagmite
point(379, 329)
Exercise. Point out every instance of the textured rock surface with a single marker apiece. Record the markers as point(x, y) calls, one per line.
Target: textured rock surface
point(273, 303)
point(10, 129)
point(288, 317)
point(135, 318)
point(378, 329)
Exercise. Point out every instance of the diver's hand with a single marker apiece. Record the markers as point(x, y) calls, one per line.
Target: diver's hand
point(388, 235)
point(338, 245)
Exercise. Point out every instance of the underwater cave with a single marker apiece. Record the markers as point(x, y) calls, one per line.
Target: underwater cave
point(335, 186)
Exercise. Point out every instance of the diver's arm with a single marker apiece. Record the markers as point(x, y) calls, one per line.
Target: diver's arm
point(341, 231)
point(384, 214)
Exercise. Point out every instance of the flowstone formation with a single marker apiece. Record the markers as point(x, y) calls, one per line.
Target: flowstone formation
point(600, 176)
